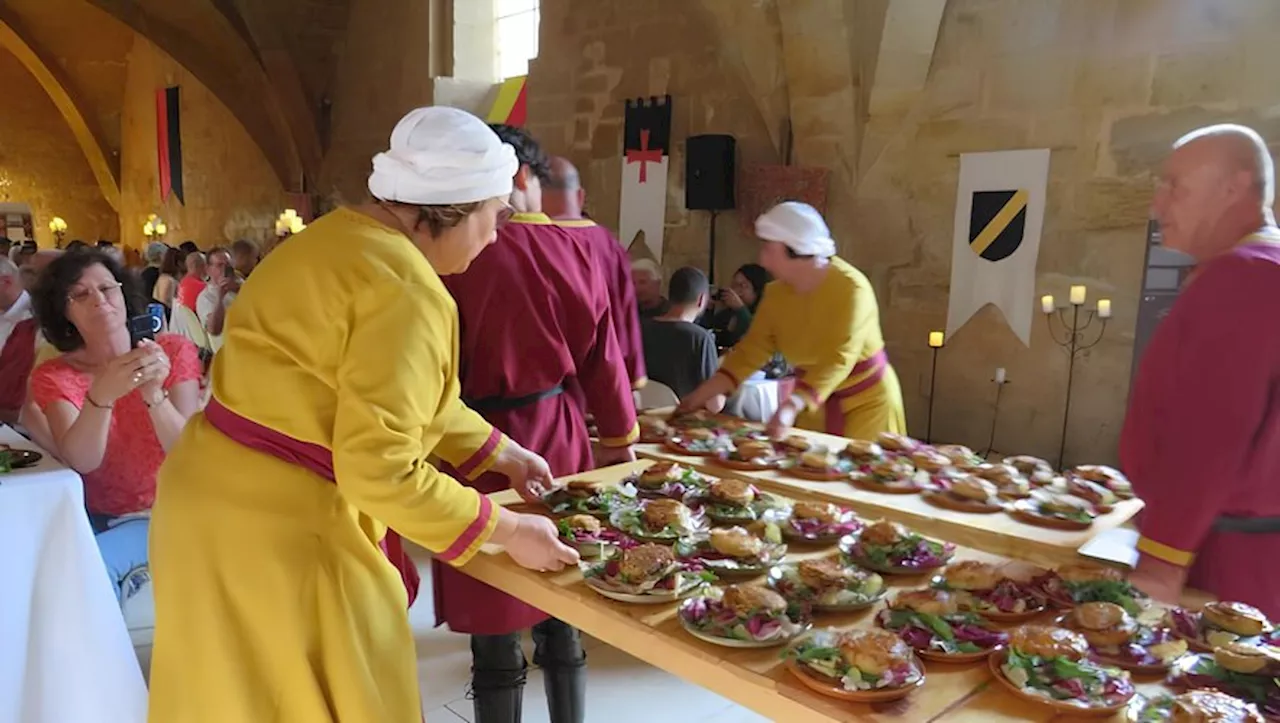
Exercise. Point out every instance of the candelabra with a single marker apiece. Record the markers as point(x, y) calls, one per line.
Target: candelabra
point(59, 229)
point(1074, 341)
point(936, 340)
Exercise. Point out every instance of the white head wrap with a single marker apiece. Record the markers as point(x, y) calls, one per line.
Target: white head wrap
point(440, 156)
point(799, 226)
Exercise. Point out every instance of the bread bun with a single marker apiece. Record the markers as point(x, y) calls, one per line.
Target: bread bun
point(874, 651)
point(930, 460)
point(893, 468)
point(926, 600)
point(1049, 642)
point(819, 461)
point(701, 434)
point(861, 449)
point(1028, 465)
point(1234, 617)
point(582, 522)
point(1086, 572)
point(583, 488)
point(1014, 488)
point(895, 442)
point(1247, 659)
point(1063, 505)
point(644, 562)
point(883, 532)
point(1211, 706)
point(736, 542)
point(1092, 491)
point(959, 454)
point(824, 512)
point(972, 575)
point(973, 488)
point(653, 426)
point(823, 574)
point(754, 449)
point(797, 443)
point(732, 491)
point(746, 600)
point(660, 513)
point(661, 473)
point(1103, 624)
point(1001, 474)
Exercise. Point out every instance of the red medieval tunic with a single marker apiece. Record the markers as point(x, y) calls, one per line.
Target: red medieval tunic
point(535, 320)
point(1201, 439)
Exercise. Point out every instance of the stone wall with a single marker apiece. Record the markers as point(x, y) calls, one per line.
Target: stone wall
point(231, 190)
point(42, 165)
point(888, 103)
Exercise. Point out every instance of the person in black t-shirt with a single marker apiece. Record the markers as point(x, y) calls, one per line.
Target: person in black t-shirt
point(678, 352)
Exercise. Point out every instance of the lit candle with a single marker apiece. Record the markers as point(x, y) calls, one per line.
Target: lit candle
point(1046, 303)
point(935, 339)
point(1077, 295)
point(1104, 308)
point(999, 375)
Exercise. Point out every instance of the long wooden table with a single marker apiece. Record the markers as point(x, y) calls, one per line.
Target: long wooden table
point(997, 533)
point(756, 679)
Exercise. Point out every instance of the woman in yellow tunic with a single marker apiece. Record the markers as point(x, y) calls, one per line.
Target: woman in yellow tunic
point(821, 314)
point(336, 383)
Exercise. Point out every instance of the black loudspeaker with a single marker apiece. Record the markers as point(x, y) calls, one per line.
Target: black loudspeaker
point(709, 165)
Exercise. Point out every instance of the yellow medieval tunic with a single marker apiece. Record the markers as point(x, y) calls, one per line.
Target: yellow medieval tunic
point(273, 600)
point(832, 337)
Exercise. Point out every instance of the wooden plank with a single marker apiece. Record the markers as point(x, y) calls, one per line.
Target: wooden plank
point(996, 533)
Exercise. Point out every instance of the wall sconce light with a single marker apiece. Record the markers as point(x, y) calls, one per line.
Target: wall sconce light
point(289, 223)
point(154, 228)
point(59, 229)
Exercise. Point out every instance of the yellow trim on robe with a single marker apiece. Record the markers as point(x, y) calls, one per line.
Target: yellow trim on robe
point(630, 439)
point(574, 222)
point(1165, 553)
point(536, 219)
point(487, 463)
point(481, 539)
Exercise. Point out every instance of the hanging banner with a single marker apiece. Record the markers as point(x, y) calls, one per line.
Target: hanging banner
point(511, 107)
point(646, 151)
point(169, 143)
point(999, 214)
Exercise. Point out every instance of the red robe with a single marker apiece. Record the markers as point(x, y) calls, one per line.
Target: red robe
point(1201, 440)
point(535, 317)
point(17, 357)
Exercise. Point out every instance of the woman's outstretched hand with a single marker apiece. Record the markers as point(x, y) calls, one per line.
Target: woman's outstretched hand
point(528, 473)
point(535, 544)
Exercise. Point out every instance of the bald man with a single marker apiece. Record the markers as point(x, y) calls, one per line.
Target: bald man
point(1201, 440)
point(562, 199)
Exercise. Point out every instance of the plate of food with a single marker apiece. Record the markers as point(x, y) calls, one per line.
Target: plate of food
point(647, 574)
point(584, 497)
point(861, 665)
point(1121, 640)
point(896, 444)
point(743, 616)
point(987, 589)
point(1102, 499)
point(733, 501)
point(795, 445)
point(890, 548)
point(821, 465)
point(1038, 471)
point(930, 460)
point(1009, 482)
point(933, 624)
point(1194, 706)
point(12, 458)
point(1248, 672)
point(750, 455)
point(668, 479)
point(732, 553)
point(862, 451)
point(891, 475)
point(820, 523)
point(653, 429)
point(1223, 622)
point(828, 584)
point(1075, 583)
point(659, 520)
point(967, 493)
point(1054, 511)
point(961, 456)
point(698, 442)
point(590, 538)
point(1051, 666)
point(1109, 477)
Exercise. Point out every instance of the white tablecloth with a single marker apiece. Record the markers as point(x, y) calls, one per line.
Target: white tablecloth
point(65, 655)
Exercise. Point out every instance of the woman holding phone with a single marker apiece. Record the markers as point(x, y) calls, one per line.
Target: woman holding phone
point(114, 405)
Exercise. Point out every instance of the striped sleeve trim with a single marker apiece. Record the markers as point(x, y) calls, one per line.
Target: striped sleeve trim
point(630, 438)
point(469, 542)
point(485, 457)
point(1165, 553)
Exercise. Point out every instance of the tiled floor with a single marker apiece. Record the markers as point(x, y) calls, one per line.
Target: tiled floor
point(444, 661)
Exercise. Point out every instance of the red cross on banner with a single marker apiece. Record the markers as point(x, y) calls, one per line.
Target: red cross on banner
point(646, 141)
point(644, 156)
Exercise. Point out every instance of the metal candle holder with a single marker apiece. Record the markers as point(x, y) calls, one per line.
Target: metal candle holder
point(1075, 344)
point(936, 342)
point(999, 381)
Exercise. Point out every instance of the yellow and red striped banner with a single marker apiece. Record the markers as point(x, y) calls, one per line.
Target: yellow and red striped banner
point(510, 107)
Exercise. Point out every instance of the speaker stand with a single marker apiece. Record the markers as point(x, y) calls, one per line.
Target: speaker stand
point(711, 242)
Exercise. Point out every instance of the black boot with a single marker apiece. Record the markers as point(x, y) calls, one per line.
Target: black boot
point(497, 678)
point(558, 651)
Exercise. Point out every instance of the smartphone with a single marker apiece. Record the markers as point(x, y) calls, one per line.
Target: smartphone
point(141, 327)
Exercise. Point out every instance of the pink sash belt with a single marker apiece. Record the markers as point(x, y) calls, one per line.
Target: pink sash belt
point(875, 364)
point(312, 457)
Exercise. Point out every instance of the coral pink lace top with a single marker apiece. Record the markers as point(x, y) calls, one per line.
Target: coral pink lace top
point(126, 480)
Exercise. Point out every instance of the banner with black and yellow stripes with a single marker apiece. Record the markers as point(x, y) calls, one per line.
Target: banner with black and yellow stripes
point(1000, 201)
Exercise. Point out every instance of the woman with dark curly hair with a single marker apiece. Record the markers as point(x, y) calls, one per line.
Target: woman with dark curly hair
point(736, 304)
point(112, 410)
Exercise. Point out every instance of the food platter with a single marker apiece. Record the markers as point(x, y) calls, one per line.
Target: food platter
point(1024, 511)
point(997, 659)
point(950, 502)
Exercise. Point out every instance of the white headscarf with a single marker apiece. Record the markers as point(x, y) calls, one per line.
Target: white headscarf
point(440, 156)
point(799, 226)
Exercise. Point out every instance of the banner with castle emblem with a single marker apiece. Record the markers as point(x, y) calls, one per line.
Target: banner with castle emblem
point(999, 214)
point(646, 151)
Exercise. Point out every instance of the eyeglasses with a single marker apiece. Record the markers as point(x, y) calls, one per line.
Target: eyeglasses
point(107, 291)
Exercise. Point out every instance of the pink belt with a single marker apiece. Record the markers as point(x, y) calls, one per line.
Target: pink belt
point(875, 364)
point(312, 457)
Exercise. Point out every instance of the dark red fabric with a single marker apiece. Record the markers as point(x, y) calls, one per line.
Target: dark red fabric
point(835, 415)
point(563, 334)
point(313, 458)
point(162, 143)
point(16, 359)
point(611, 259)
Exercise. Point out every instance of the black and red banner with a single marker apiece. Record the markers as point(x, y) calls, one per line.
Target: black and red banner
point(169, 143)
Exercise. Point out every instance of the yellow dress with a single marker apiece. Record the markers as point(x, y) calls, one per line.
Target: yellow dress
point(832, 337)
point(273, 600)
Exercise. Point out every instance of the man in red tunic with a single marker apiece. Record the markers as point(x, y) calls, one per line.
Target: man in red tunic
point(1201, 440)
point(535, 322)
point(563, 199)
